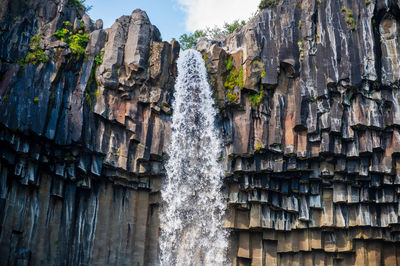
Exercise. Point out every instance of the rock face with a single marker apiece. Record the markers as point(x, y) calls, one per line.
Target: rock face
point(309, 98)
point(82, 136)
point(310, 120)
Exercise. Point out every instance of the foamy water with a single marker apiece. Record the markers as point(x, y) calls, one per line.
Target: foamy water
point(193, 210)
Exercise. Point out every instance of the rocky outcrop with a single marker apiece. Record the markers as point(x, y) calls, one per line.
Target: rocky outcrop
point(82, 134)
point(308, 93)
point(310, 124)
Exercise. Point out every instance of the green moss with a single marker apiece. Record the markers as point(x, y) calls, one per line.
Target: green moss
point(61, 34)
point(207, 62)
point(367, 3)
point(35, 55)
point(301, 50)
point(229, 64)
point(299, 24)
point(349, 18)
point(93, 91)
point(263, 74)
point(77, 41)
point(88, 99)
point(232, 98)
point(234, 78)
point(98, 61)
point(259, 146)
point(36, 100)
point(255, 99)
point(240, 78)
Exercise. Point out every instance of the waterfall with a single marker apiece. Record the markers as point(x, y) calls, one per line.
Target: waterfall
point(191, 219)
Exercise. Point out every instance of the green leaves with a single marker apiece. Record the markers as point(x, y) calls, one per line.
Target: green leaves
point(80, 5)
point(77, 42)
point(255, 99)
point(61, 34)
point(189, 41)
point(35, 55)
point(268, 3)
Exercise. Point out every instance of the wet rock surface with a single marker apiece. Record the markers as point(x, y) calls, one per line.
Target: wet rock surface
point(309, 98)
point(311, 139)
point(82, 136)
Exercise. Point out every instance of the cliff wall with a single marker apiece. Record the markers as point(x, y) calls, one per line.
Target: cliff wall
point(82, 134)
point(309, 96)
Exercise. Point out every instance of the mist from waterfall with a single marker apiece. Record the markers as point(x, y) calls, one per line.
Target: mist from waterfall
point(191, 218)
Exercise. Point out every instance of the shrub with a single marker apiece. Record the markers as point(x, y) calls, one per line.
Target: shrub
point(255, 99)
point(268, 3)
point(61, 34)
point(98, 60)
point(231, 27)
point(35, 55)
point(80, 5)
point(77, 41)
point(188, 41)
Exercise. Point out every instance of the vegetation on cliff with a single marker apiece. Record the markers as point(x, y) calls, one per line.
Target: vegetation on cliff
point(76, 39)
point(190, 40)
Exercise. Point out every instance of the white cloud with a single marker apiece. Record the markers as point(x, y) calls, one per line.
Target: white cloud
point(209, 13)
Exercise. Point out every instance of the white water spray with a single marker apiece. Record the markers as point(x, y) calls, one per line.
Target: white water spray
point(192, 216)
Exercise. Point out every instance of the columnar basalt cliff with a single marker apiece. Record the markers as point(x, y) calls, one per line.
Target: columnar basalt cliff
point(82, 135)
point(308, 93)
point(309, 97)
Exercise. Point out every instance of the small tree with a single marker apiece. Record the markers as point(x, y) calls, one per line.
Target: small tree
point(188, 41)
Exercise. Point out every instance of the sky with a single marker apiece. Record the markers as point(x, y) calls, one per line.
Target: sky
point(175, 17)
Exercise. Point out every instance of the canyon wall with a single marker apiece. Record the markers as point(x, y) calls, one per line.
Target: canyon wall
point(309, 97)
point(308, 93)
point(82, 136)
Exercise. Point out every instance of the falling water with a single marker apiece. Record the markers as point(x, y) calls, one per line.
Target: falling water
point(191, 219)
